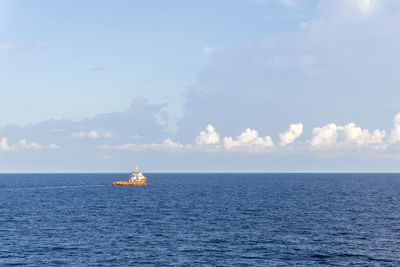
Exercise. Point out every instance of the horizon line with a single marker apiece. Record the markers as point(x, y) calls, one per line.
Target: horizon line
point(219, 172)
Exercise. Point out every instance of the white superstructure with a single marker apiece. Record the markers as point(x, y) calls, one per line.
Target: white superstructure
point(136, 175)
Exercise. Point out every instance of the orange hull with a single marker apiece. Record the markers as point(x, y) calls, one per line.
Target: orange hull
point(141, 182)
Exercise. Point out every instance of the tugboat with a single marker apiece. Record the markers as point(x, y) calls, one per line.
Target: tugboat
point(136, 178)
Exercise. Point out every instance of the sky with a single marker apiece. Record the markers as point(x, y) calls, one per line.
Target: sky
point(200, 86)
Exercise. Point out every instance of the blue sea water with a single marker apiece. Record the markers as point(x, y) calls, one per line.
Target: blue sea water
point(200, 219)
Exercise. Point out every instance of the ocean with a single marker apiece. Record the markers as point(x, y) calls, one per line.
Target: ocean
point(200, 220)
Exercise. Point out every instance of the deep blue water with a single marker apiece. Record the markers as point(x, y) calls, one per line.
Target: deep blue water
point(200, 219)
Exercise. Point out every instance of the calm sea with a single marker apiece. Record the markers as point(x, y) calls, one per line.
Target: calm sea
point(200, 219)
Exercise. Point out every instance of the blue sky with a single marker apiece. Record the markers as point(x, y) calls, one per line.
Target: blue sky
point(139, 48)
point(246, 85)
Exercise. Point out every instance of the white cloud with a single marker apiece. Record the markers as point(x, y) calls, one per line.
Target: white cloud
point(348, 135)
point(288, 137)
point(361, 137)
point(92, 134)
point(395, 134)
point(22, 145)
point(324, 136)
point(168, 143)
point(210, 137)
point(248, 139)
point(4, 144)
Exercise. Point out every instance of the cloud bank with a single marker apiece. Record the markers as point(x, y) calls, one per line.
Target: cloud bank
point(395, 133)
point(249, 139)
point(23, 145)
point(331, 136)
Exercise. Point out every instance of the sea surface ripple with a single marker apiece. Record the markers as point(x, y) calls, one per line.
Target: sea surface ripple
point(200, 219)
